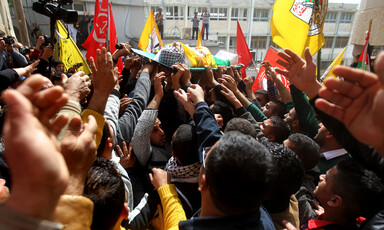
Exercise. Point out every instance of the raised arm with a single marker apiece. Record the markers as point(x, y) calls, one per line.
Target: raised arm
point(128, 120)
point(141, 143)
point(358, 102)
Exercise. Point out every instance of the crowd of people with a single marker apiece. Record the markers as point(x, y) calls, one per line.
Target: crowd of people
point(159, 148)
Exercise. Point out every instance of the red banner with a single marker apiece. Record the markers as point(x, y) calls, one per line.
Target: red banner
point(245, 56)
point(261, 78)
point(103, 23)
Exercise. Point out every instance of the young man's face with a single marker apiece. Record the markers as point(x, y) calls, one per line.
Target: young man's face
point(324, 190)
point(60, 68)
point(158, 136)
point(290, 117)
point(268, 109)
point(266, 127)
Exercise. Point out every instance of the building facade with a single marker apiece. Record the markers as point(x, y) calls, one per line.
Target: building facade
point(254, 17)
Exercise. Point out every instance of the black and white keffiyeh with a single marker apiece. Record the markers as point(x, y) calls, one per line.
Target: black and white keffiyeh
point(186, 174)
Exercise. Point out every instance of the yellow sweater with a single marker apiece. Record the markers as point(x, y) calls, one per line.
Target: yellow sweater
point(173, 211)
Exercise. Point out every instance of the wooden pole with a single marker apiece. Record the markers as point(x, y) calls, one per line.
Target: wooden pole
point(23, 30)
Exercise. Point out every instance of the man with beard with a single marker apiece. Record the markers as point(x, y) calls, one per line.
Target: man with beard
point(331, 151)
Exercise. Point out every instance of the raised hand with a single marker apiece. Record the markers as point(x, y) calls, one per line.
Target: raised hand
point(185, 100)
point(230, 96)
point(77, 86)
point(229, 82)
point(48, 102)
point(79, 150)
point(33, 155)
point(126, 50)
point(211, 81)
point(358, 102)
point(159, 178)
point(104, 80)
point(127, 158)
point(300, 72)
point(196, 93)
point(28, 70)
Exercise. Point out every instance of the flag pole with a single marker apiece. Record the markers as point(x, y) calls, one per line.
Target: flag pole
point(107, 42)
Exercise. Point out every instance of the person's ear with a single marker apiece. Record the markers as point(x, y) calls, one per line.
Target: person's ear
point(125, 211)
point(335, 201)
point(271, 137)
point(202, 183)
point(109, 143)
point(296, 123)
point(329, 135)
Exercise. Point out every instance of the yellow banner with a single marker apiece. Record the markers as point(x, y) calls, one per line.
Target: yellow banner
point(150, 37)
point(67, 51)
point(297, 24)
point(336, 62)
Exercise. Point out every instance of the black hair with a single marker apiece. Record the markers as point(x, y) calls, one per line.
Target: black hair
point(290, 171)
point(104, 137)
point(224, 110)
point(280, 108)
point(105, 188)
point(360, 189)
point(2, 33)
point(280, 129)
point(306, 149)
point(238, 173)
point(241, 125)
point(184, 144)
point(56, 62)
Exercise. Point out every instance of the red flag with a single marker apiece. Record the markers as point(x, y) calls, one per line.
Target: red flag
point(245, 56)
point(103, 23)
point(113, 38)
point(261, 79)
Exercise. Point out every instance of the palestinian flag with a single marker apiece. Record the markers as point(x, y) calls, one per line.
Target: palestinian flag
point(364, 56)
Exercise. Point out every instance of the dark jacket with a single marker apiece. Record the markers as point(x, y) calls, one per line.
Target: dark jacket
point(256, 220)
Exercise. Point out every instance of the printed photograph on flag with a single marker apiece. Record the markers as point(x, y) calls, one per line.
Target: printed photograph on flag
point(304, 17)
point(261, 78)
point(67, 51)
point(150, 39)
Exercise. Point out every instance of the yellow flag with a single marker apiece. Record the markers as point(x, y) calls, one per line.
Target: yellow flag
point(199, 37)
point(336, 62)
point(67, 51)
point(150, 39)
point(297, 24)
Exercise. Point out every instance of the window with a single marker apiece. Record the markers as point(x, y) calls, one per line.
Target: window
point(328, 42)
point(260, 14)
point(346, 17)
point(155, 8)
point(222, 42)
point(75, 6)
point(218, 13)
point(174, 12)
point(331, 17)
point(232, 43)
point(239, 14)
point(274, 45)
point(258, 42)
point(193, 9)
point(78, 7)
point(341, 42)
